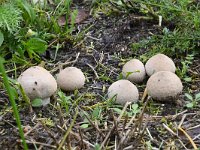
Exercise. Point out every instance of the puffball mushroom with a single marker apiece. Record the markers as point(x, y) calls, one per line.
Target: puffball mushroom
point(70, 78)
point(37, 82)
point(124, 90)
point(136, 69)
point(163, 85)
point(159, 62)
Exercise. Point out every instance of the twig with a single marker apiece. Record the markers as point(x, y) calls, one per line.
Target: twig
point(144, 95)
point(189, 138)
point(68, 130)
point(89, 36)
point(196, 137)
point(49, 133)
point(182, 144)
point(130, 132)
point(81, 137)
point(32, 129)
point(93, 124)
point(168, 129)
point(140, 135)
point(113, 127)
point(93, 70)
point(39, 143)
point(60, 115)
point(149, 134)
point(169, 116)
point(115, 124)
point(61, 65)
point(86, 142)
point(197, 126)
point(182, 120)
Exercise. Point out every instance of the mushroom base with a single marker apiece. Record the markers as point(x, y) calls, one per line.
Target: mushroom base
point(166, 99)
point(45, 101)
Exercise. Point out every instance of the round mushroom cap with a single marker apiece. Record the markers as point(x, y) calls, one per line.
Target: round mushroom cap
point(124, 90)
point(37, 82)
point(159, 62)
point(70, 78)
point(163, 85)
point(136, 69)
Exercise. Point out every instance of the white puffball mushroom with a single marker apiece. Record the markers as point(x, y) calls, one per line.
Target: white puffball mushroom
point(163, 85)
point(37, 82)
point(70, 78)
point(159, 62)
point(124, 90)
point(136, 69)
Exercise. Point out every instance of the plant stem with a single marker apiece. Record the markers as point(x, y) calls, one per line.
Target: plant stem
point(12, 101)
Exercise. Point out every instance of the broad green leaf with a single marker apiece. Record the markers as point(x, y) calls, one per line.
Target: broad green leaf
point(190, 105)
point(97, 147)
point(197, 97)
point(188, 79)
point(1, 38)
point(119, 2)
point(96, 112)
point(134, 106)
point(60, 94)
point(189, 96)
point(117, 110)
point(130, 114)
point(84, 126)
point(37, 102)
point(36, 45)
point(85, 120)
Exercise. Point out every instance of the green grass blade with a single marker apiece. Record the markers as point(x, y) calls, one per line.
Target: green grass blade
point(12, 101)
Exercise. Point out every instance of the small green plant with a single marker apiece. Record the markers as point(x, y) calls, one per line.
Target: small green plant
point(64, 101)
point(193, 100)
point(10, 17)
point(96, 114)
point(182, 72)
point(35, 46)
point(133, 111)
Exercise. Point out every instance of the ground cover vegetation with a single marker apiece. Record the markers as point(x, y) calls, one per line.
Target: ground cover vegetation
point(98, 37)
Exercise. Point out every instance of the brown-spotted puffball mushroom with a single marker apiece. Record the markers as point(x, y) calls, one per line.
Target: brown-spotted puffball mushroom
point(70, 78)
point(37, 82)
point(159, 62)
point(134, 71)
point(163, 85)
point(124, 90)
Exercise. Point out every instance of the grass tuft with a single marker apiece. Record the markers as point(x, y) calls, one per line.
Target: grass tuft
point(12, 101)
